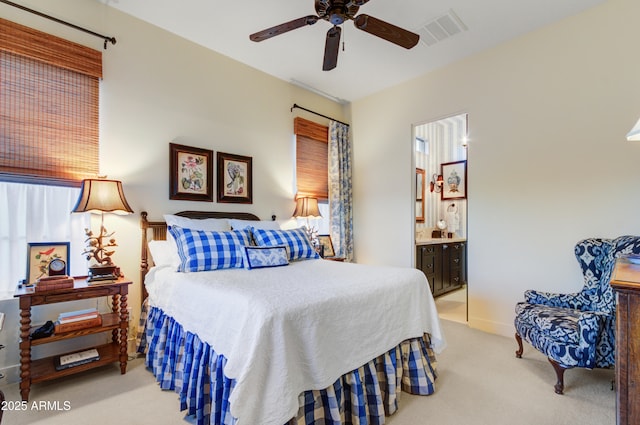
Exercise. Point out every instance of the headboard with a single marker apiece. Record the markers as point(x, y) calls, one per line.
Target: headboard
point(157, 230)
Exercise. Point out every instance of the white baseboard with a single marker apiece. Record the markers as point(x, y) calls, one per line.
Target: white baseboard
point(11, 374)
point(498, 328)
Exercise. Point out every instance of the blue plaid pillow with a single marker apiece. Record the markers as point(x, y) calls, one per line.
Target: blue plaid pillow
point(296, 241)
point(256, 257)
point(202, 250)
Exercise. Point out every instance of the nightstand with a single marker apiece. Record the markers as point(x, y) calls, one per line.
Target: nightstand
point(33, 371)
point(341, 259)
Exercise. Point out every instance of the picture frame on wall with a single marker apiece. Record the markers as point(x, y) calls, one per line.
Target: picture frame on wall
point(326, 246)
point(454, 175)
point(40, 256)
point(420, 180)
point(420, 211)
point(191, 173)
point(234, 178)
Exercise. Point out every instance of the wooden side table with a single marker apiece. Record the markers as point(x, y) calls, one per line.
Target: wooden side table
point(33, 371)
point(626, 282)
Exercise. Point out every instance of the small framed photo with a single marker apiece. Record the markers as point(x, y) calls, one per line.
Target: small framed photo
point(191, 173)
point(420, 211)
point(419, 184)
point(235, 178)
point(454, 175)
point(327, 246)
point(41, 254)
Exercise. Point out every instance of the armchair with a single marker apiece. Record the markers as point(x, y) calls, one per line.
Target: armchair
point(576, 330)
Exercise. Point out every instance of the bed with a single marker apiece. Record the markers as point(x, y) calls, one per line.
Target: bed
point(304, 342)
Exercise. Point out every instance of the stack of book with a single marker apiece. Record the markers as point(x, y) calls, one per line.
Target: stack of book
point(76, 320)
point(47, 283)
point(76, 359)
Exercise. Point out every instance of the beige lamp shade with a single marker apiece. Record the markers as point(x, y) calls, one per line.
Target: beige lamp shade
point(306, 207)
point(634, 134)
point(102, 196)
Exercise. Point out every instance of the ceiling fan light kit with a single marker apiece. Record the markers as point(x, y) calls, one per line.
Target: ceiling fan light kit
point(336, 12)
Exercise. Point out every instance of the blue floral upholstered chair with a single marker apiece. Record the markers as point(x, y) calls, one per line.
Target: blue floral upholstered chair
point(577, 330)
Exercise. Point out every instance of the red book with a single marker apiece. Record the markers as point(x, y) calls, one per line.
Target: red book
point(76, 326)
point(48, 285)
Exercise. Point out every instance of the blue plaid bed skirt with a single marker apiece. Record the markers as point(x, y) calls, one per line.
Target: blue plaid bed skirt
point(181, 362)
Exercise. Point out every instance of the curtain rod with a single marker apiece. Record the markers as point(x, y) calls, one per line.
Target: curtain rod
point(106, 38)
point(295, 105)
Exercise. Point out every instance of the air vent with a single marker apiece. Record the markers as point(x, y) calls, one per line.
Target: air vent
point(441, 28)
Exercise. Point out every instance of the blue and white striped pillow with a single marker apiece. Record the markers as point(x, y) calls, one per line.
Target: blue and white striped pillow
point(202, 250)
point(256, 257)
point(296, 241)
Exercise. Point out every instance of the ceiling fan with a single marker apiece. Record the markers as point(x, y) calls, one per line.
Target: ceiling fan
point(336, 12)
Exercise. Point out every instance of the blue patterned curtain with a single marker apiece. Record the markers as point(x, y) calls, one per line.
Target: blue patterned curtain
point(340, 190)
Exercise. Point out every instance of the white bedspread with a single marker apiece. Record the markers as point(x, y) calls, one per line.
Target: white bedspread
point(289, 329)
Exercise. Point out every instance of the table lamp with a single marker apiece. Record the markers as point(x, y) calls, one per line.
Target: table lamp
point(101, 196)
point(308, 207)
point(634, 134)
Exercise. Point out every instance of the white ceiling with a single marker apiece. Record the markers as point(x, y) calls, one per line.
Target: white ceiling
point(368, 64)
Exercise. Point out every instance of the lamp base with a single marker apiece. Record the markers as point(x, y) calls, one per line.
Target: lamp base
point(103, 272)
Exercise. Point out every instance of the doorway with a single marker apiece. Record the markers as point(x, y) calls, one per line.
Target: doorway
point(441, 211)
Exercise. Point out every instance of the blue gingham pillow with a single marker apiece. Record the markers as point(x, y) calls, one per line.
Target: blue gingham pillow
point(202, 250)
point(296, 241)
point(256, 257)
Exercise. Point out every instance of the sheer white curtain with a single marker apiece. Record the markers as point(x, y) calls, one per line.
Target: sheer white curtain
point(37, 213)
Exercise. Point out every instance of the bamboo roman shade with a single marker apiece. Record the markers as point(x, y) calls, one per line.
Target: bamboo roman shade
point(311, 159)
point(49, 104)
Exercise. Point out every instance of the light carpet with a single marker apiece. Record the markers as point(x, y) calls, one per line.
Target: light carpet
point(480, 381)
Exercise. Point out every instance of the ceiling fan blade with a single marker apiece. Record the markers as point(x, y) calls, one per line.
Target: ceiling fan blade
point(331, 48)
point(282, 28)
point(387, 31)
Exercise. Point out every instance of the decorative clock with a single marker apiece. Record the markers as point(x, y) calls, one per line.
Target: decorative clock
point(57, 267)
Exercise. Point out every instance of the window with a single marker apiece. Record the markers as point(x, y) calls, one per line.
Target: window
point(48, 107)
point(49, 104)
point(311, 159)
point(312, 151)
point(22, 221)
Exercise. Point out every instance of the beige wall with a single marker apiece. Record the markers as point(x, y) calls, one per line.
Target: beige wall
point(158, 87)
point(548, 163)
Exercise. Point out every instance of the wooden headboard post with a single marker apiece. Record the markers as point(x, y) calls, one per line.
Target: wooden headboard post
point(159, 232)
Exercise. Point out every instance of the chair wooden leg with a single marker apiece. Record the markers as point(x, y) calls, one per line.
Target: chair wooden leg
point(520, 349)
point(559, 387)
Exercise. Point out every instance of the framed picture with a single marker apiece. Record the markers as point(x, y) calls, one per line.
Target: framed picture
point(420, 211)
point(40, 255)
point(419, 184)
point(454, 175)
point(235, 178)
point(191, 173)
point(327, 246)
point(419, 195)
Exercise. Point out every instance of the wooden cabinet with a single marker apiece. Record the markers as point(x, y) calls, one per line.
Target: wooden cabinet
point(116, 322)
point(626, 283)
point(444, 264)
